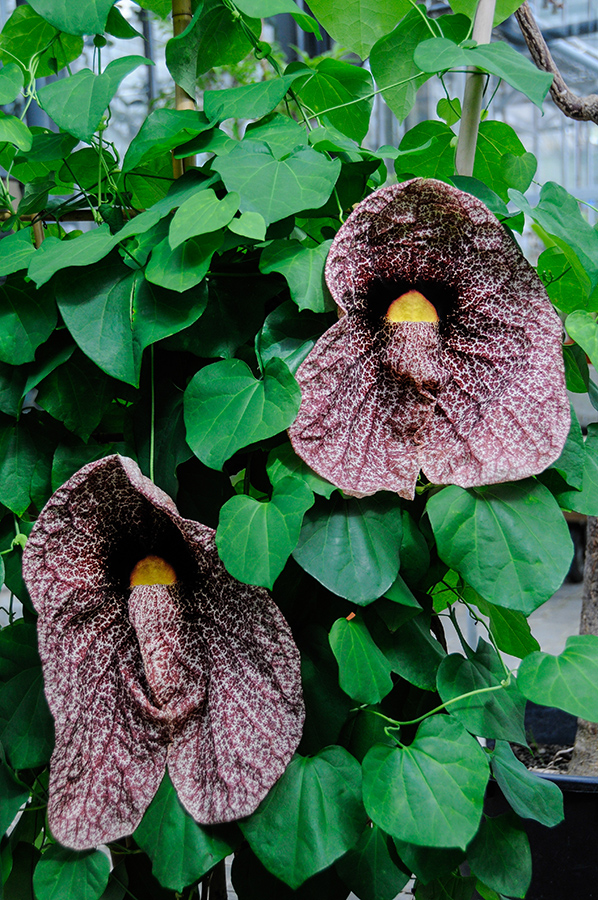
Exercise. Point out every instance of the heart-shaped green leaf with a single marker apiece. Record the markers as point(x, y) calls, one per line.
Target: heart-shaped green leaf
point(181, 851)
point(227, 408)
point(303, 268)
point(277, 188)
point(329, 785)
point(200, 214)
point(62, 873)
point(364, 671)
point(352, 546)
point(526, 549)
point(568, 681)
point(430, 793)
point(255, 539)
point(498, 714)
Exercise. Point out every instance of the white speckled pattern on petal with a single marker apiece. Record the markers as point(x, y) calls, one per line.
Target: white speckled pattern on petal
point(477, 399)
point(201, 675)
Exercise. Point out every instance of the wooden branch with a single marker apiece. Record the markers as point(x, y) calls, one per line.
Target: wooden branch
point(584, 109)
point(472, 97)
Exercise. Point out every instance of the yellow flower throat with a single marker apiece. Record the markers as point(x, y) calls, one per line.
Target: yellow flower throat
point(411, 307)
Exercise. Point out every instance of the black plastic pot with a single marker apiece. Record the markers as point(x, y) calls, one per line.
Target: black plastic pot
point(564, 858)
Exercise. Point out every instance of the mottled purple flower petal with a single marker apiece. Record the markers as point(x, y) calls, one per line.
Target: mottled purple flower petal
point(477, 398)
point(201, 675)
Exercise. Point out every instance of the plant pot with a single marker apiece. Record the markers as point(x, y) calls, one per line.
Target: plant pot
point(563, 857)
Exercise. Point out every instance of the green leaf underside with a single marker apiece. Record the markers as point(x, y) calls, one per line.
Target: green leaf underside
point(85, 17)
point(510, 542)
point(26, 35)
point(567, 681)
point(498, 58)
point(250, 101)
point(11, 82)
point(163, 130)
point(77, 103)
point(559, 215)
point(431, 792)
point(358, 24)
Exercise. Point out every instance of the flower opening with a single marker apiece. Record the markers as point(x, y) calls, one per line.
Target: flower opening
point(471, 391)
point(153, 656)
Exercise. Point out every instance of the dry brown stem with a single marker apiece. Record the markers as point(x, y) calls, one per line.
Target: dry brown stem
point(583, 109)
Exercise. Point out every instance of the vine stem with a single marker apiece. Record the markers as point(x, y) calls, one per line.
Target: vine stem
point(396, 724)
point(474, 88)
point(152, 447)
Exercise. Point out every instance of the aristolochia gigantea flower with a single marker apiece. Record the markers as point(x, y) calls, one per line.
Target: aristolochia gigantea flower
point(446, 358)
point(153, 655)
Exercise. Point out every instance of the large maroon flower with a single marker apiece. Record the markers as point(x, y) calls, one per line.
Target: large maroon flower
point(461, 377)
point(153, 655)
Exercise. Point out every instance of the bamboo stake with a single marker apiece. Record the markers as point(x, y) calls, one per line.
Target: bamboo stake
point(38, 233)
point(182, 14)
point(472, 97)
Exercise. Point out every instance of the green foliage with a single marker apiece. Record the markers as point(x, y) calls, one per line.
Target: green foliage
point(499, 714)
point(303, 268)
point(567, 680)
point(337, 536)
point(77, 104)
point(502, 838)
point(226, 408)
point(364, 672)
point(170, 329)
point(277, 188)
point(408, 790)
point(63, 873)
point(212, 38)
point(526, 551)
point(26, 729)
point(498, 58)
point(88, 17)
point(181, 851)
point(255, 539)
point(372, 868)
point(357, 25)
point(327, 784)
point(530, 796)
